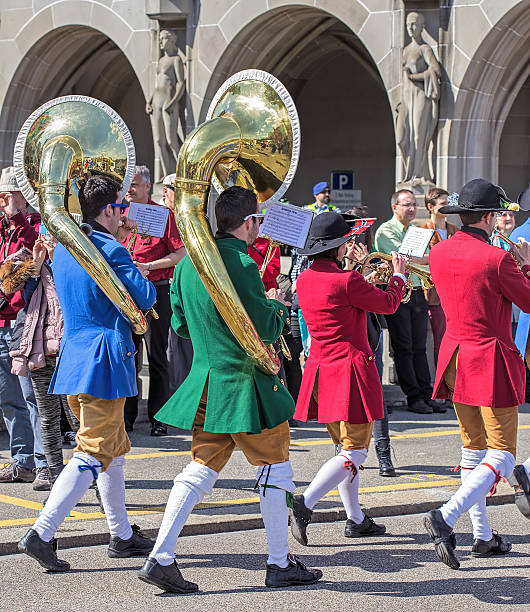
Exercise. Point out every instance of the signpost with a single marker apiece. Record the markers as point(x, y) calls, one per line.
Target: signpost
point(343, 194)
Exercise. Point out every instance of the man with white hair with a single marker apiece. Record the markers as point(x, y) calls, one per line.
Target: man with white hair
point(157, 257)
point(16, 392)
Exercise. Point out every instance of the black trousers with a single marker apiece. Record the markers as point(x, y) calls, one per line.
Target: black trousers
point(156, 339)
point(293, 370)
point(408, 333)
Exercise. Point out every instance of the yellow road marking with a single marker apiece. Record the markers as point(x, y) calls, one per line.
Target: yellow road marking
point(77, 516)
point(428, 434)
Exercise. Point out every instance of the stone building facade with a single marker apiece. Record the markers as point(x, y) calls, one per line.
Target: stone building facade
point(342, 61)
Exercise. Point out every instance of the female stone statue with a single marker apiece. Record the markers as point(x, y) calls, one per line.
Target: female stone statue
point(418, 111)
point(164, 106)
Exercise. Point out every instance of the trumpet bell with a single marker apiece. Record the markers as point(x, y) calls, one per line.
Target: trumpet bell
point(270, 134)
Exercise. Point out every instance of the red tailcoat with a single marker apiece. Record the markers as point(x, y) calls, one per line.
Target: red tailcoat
point(477, 284)
point(334, 303)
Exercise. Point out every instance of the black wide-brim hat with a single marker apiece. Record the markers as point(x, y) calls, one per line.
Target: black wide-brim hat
point(480, 195)
point(328, 231)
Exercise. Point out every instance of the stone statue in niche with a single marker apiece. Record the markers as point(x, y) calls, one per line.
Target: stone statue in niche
point(418, 109)
point(166, 104)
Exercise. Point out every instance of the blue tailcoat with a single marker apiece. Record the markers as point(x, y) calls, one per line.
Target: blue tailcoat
point(97, 350)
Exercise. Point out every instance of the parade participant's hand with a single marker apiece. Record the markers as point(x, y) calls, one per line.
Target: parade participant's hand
point(398, 263)
point(50, 243)
point(149, 108)
point(521, 253)
point(277, 294)
point(143, 268)
point(373, 278)
point(39, 255)
point(126, 227)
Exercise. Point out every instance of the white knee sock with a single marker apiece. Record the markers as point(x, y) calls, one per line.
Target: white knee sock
point(190, 486)
point(66, 492)
point(477, 513)
point(333, 472)
point(111, 486)
point(273, 482)
point(526, 465)
point(349, 489)
point(477, 484)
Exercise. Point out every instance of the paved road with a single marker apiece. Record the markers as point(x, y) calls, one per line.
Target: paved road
point(398, 572)
point(425, 446)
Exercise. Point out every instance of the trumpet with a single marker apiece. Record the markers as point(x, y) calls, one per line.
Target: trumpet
point(505, 238)
point(423, 272)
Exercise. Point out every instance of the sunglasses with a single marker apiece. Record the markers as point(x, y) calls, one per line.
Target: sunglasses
point(258, 216)
point(121, 205)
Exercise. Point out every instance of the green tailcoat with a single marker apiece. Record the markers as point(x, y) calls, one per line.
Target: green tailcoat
point(241, 398)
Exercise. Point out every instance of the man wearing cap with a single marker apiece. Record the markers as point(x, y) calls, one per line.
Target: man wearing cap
point(408, 325)
point(95, 369)
point(321, 204)
point(17, 398)
point(340, 385)
point(227, 401)
point(157, 257)
point(479, 366)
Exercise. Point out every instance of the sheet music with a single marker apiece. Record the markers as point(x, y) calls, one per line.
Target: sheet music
point(287, 224)
point(416, 241)
point(151, 219)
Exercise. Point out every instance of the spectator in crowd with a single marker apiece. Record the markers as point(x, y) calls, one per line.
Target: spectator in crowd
point(180, 350)
point(505, 223)
point(34, 347)
point(17, 399)
point(408, 326)
point(157, 257)
point(434, 200)
point(322, 193)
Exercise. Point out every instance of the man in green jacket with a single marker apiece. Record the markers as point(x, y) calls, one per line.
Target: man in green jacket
point(227, 401)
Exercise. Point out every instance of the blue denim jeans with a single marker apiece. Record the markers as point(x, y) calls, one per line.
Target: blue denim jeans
point(381, 425)
point(19, 409)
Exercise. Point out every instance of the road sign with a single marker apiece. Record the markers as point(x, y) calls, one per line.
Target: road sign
point(343, 194)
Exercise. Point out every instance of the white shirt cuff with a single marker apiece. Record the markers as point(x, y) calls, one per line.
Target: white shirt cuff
point(401, 276)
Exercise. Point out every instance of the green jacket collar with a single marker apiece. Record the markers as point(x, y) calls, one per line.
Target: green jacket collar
point(232, 242)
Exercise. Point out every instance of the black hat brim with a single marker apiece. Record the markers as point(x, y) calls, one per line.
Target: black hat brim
point(456, 210)
point(323, 244)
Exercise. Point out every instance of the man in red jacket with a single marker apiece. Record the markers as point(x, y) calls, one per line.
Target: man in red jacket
point(479, 365)
point(17, 399)
point(340, 384)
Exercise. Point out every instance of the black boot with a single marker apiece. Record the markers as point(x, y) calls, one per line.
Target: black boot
point(382, 448)
point(43, 552)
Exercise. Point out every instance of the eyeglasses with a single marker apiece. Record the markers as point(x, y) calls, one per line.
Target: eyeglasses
point(258, 216)
point(115, 205)
point(327, 191)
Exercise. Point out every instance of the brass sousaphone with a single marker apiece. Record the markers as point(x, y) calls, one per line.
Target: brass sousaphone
point(251, 138)
point(60, 144)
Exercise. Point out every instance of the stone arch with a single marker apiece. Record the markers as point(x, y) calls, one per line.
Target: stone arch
point(77, 47)
point(311, 51)
point(491, 83)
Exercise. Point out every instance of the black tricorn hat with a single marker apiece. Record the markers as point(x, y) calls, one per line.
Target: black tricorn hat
point(480, 195)
point(328, 231)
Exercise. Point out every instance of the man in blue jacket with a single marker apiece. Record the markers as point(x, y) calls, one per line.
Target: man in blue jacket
point(95, 369)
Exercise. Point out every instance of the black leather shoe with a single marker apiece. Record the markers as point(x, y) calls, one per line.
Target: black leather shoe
point(166, 577)
point(437, 406)
point(382, 449)
point(136, 546)
point(158, 430)
point(443, 537)
point(419, 407)
point(495, 546)
point(43, 552)
point(295, 573)
point(519, 480)
point(300, 519)
point(361, 530)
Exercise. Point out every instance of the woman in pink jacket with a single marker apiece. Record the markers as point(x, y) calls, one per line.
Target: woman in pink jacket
point(340, 385)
